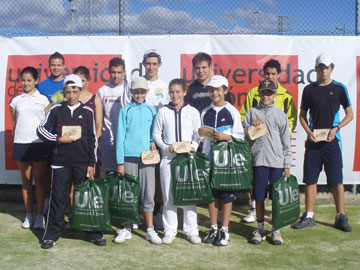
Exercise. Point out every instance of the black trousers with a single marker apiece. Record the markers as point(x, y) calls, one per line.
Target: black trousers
point(60, 185)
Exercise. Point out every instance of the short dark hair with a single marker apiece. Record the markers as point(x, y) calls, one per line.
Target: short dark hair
point(32, 71)
point(57, 55)
point(180, 82)
point(152, 54)
point(272, 63)
point(82, 70)
point(201, 56)
point(117, 61)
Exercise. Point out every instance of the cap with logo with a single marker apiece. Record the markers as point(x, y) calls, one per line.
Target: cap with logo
point(152, 53)
point(324, 59)
point(217, 81)
point(267, 85)
point(73, 80)
point(139, 83)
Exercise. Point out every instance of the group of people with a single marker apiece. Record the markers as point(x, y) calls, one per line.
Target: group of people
point(111, 129)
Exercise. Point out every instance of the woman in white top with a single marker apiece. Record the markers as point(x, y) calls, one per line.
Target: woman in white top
point(28, 110)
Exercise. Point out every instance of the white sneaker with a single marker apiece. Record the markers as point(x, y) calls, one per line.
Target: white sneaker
point(168, 238)
point(194, 239)
point(251, 217)
point(122, 236)
point(276, 238)
point(153, 237)
point(135, 227)
point(39, 222)
point(28, 221)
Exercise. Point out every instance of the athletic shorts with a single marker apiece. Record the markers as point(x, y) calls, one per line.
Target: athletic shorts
point(263, 177)
point(224, 195)
point(327, 154)
point(31, 152)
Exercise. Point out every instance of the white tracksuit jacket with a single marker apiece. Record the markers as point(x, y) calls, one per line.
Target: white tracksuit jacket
point(173, 125)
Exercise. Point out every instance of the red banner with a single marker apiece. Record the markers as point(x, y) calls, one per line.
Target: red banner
point(98, 67)
point(245, 71)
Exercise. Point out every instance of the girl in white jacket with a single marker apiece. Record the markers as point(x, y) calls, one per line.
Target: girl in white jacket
point(176, 122)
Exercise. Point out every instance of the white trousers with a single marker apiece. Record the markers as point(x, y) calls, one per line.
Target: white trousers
point(170, 219)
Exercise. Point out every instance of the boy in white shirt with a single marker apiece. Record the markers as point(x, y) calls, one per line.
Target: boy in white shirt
point(176, 122)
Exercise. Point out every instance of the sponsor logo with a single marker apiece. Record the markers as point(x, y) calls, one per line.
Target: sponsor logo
point(118, 195)
point(197, 174)
point(87, 201)
point(159, 92)
point(200, 95)
point(288, 195)
point(224, 158)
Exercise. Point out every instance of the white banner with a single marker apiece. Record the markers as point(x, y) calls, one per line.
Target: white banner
point(239, 58)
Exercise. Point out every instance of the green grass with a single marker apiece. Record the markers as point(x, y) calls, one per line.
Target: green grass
point(320, 247)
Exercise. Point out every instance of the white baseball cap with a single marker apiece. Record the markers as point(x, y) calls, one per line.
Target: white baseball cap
point(151, 53)
point(73, 80)
point(324, 59)
point(217, 81)
point(139, 83)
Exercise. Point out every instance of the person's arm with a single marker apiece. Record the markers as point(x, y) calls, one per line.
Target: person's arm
point(349, 116)
point(92, 140)
point(196, 125)
point(219, 136)
point(99, 116)
point(120, 137)
point(158, 130)
point(43, 130)
point(13, 117)
point(304, 124)
point(47, 108)
point(286, 144)
point(292, 116)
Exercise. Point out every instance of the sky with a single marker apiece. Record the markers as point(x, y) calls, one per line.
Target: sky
point(143, 17)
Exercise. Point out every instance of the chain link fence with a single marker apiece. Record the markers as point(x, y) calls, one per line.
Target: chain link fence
point(160, 17)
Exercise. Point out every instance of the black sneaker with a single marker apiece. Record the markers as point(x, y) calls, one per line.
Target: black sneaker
point(46, 244)
point(211, 237)
point(341, 223)
point(222, 239)
point(304, 222)
point(99, 241)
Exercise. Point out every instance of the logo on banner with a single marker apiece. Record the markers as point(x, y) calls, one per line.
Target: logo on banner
point(98, 68)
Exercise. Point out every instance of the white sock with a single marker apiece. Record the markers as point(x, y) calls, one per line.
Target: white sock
point(253, 203)
point(150, 229)
point(309, 214)
point(226, 229)
point(215, 227)
point(260, 226)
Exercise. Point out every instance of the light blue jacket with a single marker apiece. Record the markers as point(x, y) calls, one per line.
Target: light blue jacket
point(134, 132)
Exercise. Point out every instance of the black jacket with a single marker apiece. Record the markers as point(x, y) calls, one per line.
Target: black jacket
point(80, 152)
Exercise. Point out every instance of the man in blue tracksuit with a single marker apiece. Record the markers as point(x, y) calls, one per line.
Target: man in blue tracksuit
point(134, 136)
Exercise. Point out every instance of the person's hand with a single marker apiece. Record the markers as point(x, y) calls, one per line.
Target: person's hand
point(191, 153)
point(332, 134)
point(90, 172)
point(219, 136)
point(120, 169)
point(202, 132)
point(152, 146)
point(286, 172)
point(67, 138)
point(312, 137)
point(171, 149)
point(256, 123)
